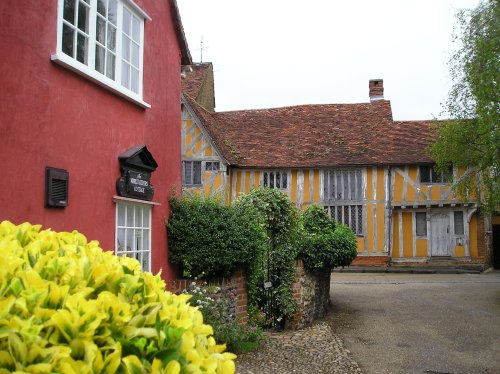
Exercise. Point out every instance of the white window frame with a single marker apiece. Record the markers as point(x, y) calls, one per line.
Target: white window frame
point(136, 228)
point(274, 174)
point(88, 71)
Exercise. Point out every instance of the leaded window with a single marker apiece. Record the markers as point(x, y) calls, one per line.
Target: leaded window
point(275, 179)
point(343, 197)
point(191, 173)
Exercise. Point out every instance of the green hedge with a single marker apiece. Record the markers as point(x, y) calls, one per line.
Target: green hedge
point(210, 239)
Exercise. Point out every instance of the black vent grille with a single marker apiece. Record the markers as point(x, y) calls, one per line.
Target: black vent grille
point(56, 187)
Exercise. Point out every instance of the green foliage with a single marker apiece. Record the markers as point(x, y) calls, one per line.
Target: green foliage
point(276, 263)
point(345, 244)
point(472, 138)
point(216, 311)
point(323, 245)
point(316, 220)
point(68, 306)
point(211, 239)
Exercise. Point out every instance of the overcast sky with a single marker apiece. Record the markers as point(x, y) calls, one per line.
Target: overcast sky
point(272, 53)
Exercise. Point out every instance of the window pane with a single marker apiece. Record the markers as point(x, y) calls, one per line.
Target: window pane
point(353, 218)
point(68, 40)
point(138, 217)
point(208, 166)
point(126, 21)
point(125, 74)
point(359, 187)
point(101, 30)
point(101, 7)
point(136, 33)
point(130, 216)
point(346, 216)
point(120, 240)
point(447, 176)
point(111, 38)
point(69, 11)
point(339, 214)
point(110, 66)
point(425, 174)
point(126, 49)
point(121, 215)
point(271, 180)
point(134, 80)
point(100, 54)
point(135, 54)
point(130, 241)
point(145, 217)
point(278, 180)
point(359, 229)
point(81, 48)
point(266, 180)
point(284, 181)
point(83, 17)
point(338, 185)
point(138, 239)
point(421, 223)
point(187, 173)
point(112, 11)
point(345, 184)
point(459, 223)
point(196, 172)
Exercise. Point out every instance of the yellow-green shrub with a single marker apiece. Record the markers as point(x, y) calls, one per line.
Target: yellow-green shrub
point(67, 306)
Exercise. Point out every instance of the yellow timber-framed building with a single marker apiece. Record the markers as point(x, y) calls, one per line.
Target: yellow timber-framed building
point(370, 172)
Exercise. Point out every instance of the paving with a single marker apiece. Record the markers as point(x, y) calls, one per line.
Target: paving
point(312, 350)
point(419, 323)
point(393, 323)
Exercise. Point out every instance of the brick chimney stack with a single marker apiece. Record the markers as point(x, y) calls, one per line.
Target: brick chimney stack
point(376, 89)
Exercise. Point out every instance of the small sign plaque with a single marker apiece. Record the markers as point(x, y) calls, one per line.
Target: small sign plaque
point(268, 285)
point(136, 166)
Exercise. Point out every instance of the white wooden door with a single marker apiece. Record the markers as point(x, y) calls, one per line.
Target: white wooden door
point(440, 234)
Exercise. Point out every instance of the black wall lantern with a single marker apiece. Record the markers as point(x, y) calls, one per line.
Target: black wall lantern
point(56, 187)
point(136, 166)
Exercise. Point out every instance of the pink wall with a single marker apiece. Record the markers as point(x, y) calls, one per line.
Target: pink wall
point(50, 116)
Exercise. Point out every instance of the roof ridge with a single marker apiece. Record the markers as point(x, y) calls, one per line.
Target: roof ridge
point(302, 106)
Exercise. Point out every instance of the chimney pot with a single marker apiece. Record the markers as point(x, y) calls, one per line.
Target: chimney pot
point(376, 89)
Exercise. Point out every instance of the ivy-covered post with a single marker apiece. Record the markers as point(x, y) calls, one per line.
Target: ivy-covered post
point(271, 277)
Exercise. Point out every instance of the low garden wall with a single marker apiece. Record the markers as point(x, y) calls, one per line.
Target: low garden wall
point(234, 289)
point(312, 293)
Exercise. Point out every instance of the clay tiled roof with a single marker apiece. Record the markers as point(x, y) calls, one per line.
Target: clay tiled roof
point(194, 77)
point(317, 136)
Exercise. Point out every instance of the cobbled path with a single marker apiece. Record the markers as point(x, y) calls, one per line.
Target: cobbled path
point(315, 349)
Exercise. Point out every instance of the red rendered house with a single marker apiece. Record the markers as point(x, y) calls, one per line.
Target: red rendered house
point(90, 119)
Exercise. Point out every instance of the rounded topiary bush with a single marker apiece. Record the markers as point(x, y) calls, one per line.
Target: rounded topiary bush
point(325, 245)
point(67, 306)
